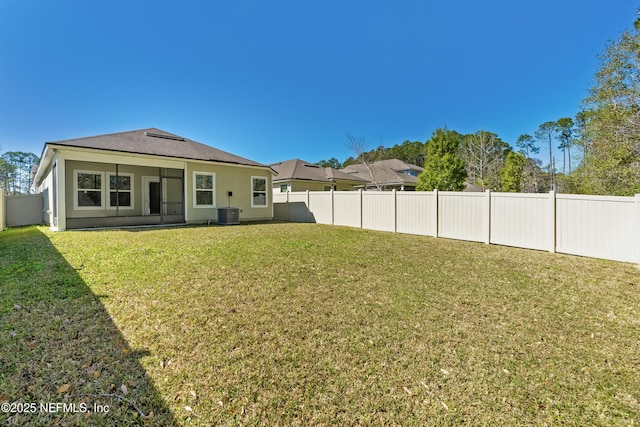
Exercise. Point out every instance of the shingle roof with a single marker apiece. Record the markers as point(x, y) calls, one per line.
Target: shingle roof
point(386, 172)
point(156, 142)
point(299, 169)
point(398, 165)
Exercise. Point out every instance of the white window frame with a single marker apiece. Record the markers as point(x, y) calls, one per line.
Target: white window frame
point(76, 189)
point(287, 186)
point(266, 193)
point(109, 190)
point(213, 190)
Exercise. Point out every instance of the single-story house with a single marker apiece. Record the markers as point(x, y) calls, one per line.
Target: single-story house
point(392, 174)
point(298, 175)
point(147, 177)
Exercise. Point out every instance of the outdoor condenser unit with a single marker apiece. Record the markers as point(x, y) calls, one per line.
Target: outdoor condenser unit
point(228, 216)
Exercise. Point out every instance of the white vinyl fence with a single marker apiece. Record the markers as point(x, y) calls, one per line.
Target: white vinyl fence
point(604, 227)
point(22, 209)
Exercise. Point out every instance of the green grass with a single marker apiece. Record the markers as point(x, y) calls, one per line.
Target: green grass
point(309, 324)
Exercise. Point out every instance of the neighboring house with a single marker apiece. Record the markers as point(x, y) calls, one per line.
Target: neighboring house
point(298, 175)
point(147, 176)
point(392, 174)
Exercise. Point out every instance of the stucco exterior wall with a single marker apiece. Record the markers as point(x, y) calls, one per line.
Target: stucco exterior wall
point(46, 188)
point(227, 178)
point(234, 179)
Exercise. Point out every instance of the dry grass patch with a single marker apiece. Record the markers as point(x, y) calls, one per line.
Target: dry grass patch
point(311, 324)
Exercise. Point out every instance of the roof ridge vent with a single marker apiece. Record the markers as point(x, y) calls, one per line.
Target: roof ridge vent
point(159, 135)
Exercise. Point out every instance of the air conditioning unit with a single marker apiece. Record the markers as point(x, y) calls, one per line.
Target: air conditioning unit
point(228, 216)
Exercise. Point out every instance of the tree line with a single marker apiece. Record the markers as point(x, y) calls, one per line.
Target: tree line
point(452, 159)
point(16, 172)
point(600, 146)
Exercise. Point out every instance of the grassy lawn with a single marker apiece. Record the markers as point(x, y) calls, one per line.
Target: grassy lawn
point(309, 324)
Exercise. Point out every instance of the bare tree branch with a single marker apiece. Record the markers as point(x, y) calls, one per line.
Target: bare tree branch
point(357, 145)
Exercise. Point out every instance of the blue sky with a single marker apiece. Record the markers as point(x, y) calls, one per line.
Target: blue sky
point(277, 80)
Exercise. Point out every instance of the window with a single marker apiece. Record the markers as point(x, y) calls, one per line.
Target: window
point(328, 187)
point(204, 186)
point(258, 192)
point(88, 190)
point(284, 188)
point(123, 197)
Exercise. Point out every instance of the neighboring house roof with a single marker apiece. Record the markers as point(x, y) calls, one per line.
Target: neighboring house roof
point(301, 170)
point(398, 166)
point(156, 142)
point(387, 172)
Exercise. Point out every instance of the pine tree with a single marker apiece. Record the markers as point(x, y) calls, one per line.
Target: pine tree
point(513, 172)
point(443, 168)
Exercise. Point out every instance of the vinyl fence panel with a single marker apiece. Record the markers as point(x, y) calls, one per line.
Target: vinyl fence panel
point(298, 207)
point(522, 220)
point(280, 206)
point(347, 208)
point(378, 210)
point(23, 210)
point(597, 226)
point(279, 197)
point(415, 213)
point(321, 207)
point(462, 216)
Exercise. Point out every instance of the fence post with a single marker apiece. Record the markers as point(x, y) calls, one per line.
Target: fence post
point(308, 206)
point(435, 213)
point(552, 221)
point(333, 207)
point(487, 217)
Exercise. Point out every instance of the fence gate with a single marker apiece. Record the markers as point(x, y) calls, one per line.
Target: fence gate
point(24, 210)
